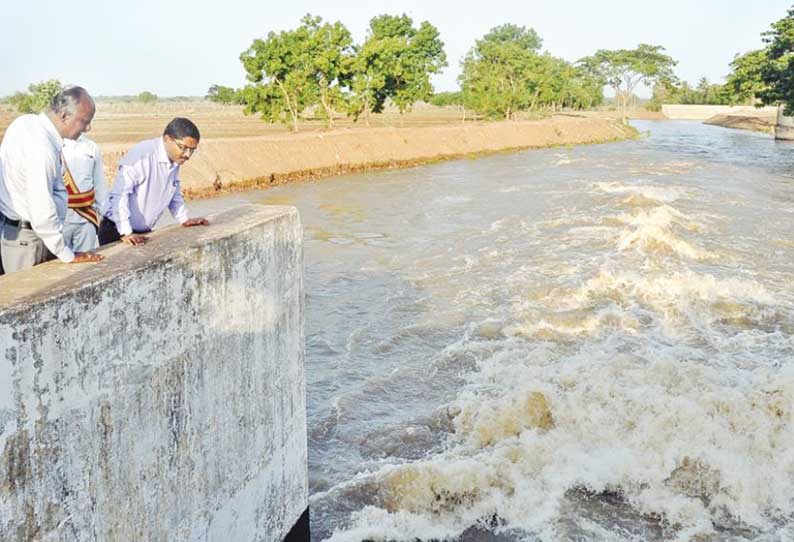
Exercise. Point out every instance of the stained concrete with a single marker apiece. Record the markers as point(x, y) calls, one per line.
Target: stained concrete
point(158, 395)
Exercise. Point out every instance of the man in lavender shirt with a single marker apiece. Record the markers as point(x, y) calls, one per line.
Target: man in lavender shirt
point(147, 182)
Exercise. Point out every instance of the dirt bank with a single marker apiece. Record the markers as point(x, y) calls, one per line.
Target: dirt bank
point(743, 122)
point(244, 162)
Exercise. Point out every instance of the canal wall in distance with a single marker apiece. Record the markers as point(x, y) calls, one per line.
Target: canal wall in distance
point(703, 112)
point(261, 161)
point(159, 394)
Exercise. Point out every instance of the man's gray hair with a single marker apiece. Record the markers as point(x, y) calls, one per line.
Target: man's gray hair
point(67, 99)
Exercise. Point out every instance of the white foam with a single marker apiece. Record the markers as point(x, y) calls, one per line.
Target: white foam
point(667, 433)
point(663, 194)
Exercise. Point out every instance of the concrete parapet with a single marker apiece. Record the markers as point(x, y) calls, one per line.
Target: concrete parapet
point(784, 129)
point(158, 395)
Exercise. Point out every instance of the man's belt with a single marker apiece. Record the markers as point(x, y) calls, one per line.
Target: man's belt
point(81, 203)
point(21, 224)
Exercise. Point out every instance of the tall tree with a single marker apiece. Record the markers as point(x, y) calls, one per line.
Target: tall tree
point(295, 69)
point(395, 62)
point(746, 80)
point(778, 72)
point(500, 72)
point(280, 69)
point(625, 69)
point(332, 64)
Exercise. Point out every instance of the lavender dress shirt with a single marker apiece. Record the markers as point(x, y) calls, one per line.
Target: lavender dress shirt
point(146, 183)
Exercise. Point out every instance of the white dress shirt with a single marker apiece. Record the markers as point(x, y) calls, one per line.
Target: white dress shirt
point(31, 186)
point(85, 164)
point(146, 183)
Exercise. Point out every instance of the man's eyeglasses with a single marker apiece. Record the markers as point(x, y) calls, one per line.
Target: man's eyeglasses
point(184, 149)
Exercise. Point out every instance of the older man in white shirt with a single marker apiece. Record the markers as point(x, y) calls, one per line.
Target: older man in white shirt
point(32, 195)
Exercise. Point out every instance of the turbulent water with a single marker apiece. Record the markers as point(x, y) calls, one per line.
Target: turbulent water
point(591, 343)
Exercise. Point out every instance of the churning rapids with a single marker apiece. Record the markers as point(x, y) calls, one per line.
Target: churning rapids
point(589, 343)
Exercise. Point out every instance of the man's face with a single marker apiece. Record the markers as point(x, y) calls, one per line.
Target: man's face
point(72, 126)
point(180, 150)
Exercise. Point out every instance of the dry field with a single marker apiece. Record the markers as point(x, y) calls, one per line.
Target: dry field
point(127, 122)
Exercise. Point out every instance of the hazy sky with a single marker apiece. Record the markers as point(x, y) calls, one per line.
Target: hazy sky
point(181, 48)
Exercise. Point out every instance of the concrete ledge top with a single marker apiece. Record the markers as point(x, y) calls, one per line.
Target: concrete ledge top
point(55, 279)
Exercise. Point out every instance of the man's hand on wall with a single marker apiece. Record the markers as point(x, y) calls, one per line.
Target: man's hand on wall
point(134, 239)
point(199, 221)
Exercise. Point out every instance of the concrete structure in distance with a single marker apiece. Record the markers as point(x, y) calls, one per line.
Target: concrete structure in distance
point(703, 112)
point(159, 395)
point(784, 128)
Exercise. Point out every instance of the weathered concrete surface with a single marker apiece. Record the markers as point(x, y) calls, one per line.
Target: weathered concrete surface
point(158, 395)
point(260, 161)
point(703, 112)
point(784, 129)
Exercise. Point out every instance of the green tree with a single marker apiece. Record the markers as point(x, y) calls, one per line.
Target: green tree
point(778, 71)
point(442, 99)
point(223, 95)
point(625, 69)
point(746, 81)
point(146, 97)
point(500, 71)
point(704, 88)
point(295, 69)
point(395, 62)
point(332, 64)
point(38, 97)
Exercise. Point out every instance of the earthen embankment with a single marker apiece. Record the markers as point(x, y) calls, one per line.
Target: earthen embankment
point(246, 162)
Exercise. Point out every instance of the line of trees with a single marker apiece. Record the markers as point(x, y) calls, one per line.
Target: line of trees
point(317, 66)
point(39, 96)
point(505, 73)
point(761, 77)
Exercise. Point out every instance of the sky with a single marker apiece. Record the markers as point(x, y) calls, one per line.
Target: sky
point(177, 48)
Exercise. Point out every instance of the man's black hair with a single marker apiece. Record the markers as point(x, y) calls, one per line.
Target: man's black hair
point(181, 127)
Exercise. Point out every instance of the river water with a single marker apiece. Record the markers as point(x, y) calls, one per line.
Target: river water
point(590, 343)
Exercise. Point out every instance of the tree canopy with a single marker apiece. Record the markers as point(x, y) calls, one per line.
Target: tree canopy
point(223, 95)
point(625, 69)
point(395, 62)
point(37, 98)
point(505, 72)
point(318, 65)
point(777, 73)
point(746, 80)
point(147, 97)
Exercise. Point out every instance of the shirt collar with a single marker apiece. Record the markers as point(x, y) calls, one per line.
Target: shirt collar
point(162, 155)
point(52, 132)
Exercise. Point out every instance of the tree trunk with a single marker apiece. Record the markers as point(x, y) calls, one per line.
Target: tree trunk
point(329, 111)
point(293, 111)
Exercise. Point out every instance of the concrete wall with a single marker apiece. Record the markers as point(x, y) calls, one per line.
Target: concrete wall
point(158, 395)
point(785, 126)
point(702, 112)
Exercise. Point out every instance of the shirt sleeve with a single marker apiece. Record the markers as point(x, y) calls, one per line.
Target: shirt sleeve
point(43, 175)
point(177, 205)
point(129, 176)
point(100, 188)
